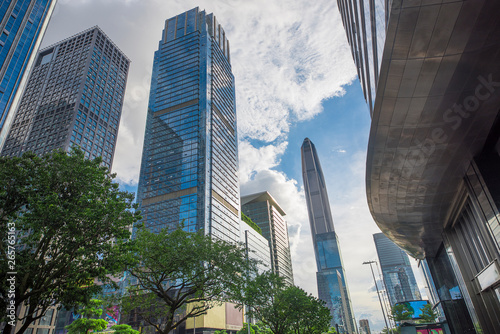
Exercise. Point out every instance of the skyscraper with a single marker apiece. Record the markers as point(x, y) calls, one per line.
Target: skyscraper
point(332, 284)
point(264, 211)
point(364, 326)
point(74, 96)
point(396, 270)
point(190, 158)
point(430, 71)
point(22, 26)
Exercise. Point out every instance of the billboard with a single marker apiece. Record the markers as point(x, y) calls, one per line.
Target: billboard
point(415, 307)
point(430, 331)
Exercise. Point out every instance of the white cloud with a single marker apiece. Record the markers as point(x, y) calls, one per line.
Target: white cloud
point(286, 59)
point(253, 160)
point(291, 199)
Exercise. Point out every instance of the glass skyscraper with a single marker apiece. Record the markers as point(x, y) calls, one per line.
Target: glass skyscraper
point(332, 283)
point(190, 158)
point(264, 211)
point(396, 270)
point(22, 25)
point(74, 96)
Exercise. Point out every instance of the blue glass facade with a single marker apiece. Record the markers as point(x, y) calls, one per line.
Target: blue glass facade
point(396, 269)
point(332, 283)
point(74, 96)
point(22, 27)
point(189, 163)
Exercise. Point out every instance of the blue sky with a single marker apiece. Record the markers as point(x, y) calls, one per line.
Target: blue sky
point(295, 78)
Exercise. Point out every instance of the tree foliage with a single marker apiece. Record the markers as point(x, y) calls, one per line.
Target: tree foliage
point(179, 275)
point(386, 330)
point(401, 312)
point(251, 223)
point(89, 320)
point(258, 328)
point(123, 329)
point(428, 315)
point(284, 309)
point(71, 224)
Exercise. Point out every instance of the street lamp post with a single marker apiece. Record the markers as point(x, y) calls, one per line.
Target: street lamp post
point(378, 293)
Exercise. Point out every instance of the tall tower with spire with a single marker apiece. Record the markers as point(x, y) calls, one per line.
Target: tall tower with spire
point(332, 285)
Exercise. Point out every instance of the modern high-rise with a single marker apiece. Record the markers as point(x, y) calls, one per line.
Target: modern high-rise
point(264, 211)
point(396, 271)
point(331, 279)
point(364, 326)
point(22, 26)
point(190, 158)
point(431, 73)
point(74, 96)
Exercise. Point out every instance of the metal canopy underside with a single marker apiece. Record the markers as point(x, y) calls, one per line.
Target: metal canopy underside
point(437, 97)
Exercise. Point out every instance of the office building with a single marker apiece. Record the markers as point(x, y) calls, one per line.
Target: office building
point(74, 96)
point(257, 247)
point(22, 26)
point(331, 278)
point(433, 153)
point(397, 273)
point(190, 158)
point(264, 211)
point(364, 326)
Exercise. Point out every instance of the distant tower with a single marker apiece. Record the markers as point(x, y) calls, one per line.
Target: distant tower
point(325, 241)
point(263, 209)
point(364, 326)
point(74, 96)
point(396, 270)
point(22, 27)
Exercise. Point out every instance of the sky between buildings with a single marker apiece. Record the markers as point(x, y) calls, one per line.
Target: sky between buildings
point(295, 78)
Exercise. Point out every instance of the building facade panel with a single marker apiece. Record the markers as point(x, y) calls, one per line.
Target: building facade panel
point(22, 27)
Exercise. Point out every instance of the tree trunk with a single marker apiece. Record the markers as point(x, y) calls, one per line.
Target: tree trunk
point(7, 329)
point(25, 326)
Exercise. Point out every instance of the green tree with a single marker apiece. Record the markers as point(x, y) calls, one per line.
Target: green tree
point(309, 314)
point(332, 330)
point(64, 224)
point(251, 223)
point(179, 275)
point(401, 312)
point(428, 315)
point(89, 320)
point(123, 329)
point(385, 330)
point(284, 309)
point(258, 328)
